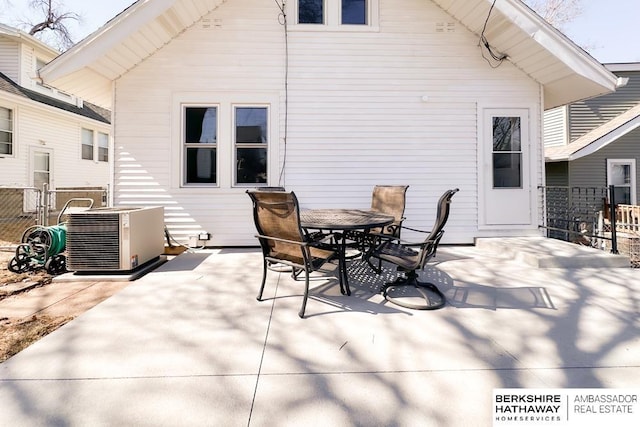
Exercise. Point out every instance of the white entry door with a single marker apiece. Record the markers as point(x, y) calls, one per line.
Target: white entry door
point(506, 175)
point(40, 168)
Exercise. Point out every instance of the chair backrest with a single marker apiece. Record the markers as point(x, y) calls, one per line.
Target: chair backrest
point(277, 214)
point(390, 199)
point(433, 239)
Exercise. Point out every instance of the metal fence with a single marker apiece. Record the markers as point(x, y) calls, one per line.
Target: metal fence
point(580, 215)
point(23, 207)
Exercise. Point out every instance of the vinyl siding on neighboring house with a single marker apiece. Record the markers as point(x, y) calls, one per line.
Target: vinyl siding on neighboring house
point(44, 128)
point(591, 171)
point(9, 59)
point(587, 115)
point(356, 100)
point(557, 174)
point(555, 126)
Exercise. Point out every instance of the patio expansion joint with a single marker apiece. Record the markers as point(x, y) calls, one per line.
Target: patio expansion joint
point(435, 371)
point(264, 349)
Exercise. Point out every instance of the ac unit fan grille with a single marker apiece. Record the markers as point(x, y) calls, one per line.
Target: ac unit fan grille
point(93, 242)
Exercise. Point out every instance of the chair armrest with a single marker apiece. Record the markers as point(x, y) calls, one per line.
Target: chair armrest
point(398, 240)
point(277, 239)
point(415, 229)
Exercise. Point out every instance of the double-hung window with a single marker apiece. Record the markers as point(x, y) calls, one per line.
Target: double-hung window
point(507, 152)
point(621, 173)
point(6, 131)
point(251, 143)
point(103, 147)
point(200, 145)
point(92, 148)
point(87, 144)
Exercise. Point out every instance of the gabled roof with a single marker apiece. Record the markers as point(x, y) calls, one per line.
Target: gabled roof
point(87, 110)
point(566, 72)
point(597, 138)
point(22, 37)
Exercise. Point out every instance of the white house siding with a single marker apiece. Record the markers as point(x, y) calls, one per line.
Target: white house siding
point(9, 59)
point(45, 128)
point(398, 106)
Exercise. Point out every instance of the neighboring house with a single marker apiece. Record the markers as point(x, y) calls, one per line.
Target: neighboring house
point(46, 136)
point(211, 97)
point(596, 143)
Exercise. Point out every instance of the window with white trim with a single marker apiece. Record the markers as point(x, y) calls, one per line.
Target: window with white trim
point(507, 152)
point(251, 142)
point(348, 15)
point(621, 173)
point(103, 147)
point(6, 132)
point(94, 145)
point(310, 11)
point(87, 144)
point(200, 145)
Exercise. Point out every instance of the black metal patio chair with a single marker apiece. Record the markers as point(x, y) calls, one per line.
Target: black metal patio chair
point(277, 219)
point(411, 257)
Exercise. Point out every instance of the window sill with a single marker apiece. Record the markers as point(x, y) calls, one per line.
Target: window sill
point(324, 28)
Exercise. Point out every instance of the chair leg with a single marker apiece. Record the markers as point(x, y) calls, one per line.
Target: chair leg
point(306, 295)
point(264, 279)
point(431, 303)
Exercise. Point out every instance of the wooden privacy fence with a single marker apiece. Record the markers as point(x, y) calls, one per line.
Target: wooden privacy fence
point(628, 231)
point(628, 219)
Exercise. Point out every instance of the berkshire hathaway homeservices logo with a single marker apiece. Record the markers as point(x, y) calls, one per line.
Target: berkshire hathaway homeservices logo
point(566, 407)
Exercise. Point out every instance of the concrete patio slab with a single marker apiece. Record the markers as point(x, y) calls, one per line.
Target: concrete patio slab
point(189, 344)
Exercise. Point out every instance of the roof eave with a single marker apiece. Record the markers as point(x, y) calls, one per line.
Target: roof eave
point(100, 42)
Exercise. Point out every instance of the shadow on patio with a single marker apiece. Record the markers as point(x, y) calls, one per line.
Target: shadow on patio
point(193, 346)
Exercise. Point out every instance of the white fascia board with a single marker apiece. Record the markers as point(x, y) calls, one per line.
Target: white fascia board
point(623, 66)
point(606, 139)
point(556, 43)
point(105, 38)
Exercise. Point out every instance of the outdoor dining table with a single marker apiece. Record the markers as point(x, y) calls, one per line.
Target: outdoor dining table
point(341, 221)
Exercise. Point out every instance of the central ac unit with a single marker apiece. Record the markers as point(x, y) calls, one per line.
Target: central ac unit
point(114, 239)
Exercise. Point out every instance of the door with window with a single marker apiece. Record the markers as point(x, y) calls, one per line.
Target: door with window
point(40, 172)
point(621, 173)
point(505, 182)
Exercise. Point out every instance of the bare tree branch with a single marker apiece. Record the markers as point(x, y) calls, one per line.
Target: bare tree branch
point(557, 12)
point(54, 21)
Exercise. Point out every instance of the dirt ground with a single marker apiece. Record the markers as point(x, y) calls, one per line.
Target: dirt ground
point(18, 333)
point(32, 305)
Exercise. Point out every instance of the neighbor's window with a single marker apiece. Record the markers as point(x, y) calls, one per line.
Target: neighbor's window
point(103, 147)
point(507, 152)
point(621, 173)
point(200, 145)
point(251, 142)
point(354, 12)
point(6, 131)
point(87, 144)
point(310, 11)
